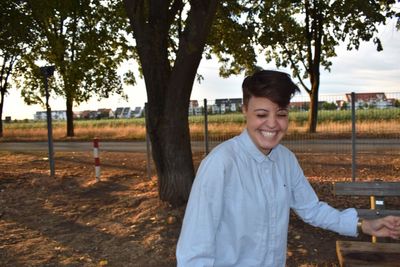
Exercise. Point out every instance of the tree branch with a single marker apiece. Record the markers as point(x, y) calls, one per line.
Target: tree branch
point(297, 71)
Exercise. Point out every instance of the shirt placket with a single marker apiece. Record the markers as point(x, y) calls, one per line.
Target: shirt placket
point(271, 213)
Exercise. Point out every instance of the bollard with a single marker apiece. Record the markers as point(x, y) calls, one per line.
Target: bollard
point(96, 158)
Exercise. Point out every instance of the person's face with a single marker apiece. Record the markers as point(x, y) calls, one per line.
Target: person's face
point(267, 123)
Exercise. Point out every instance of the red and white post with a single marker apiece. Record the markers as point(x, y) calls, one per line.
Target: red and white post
point(96, 158)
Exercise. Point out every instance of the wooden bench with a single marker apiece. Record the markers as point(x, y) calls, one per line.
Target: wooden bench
point(358, 253)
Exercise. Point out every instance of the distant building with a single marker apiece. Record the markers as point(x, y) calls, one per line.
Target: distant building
point(227, 105)
point(86, 114)
point(304, 105)
point(341, 104)
point(370, 100)
point(104, 113)
point(127, 112)
point(194, 108)
point(193, 104)
point(137, 112)
point(299, 105)
point(118, 112)
point(55, 115)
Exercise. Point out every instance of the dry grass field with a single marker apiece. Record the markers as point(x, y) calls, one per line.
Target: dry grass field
point(218, 130)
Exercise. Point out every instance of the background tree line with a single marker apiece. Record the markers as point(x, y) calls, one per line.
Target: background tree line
point(87, 40)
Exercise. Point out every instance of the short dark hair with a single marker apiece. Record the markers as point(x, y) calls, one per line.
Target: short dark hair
point(275, 85)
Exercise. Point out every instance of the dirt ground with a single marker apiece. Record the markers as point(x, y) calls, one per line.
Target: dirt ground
point(71, 220)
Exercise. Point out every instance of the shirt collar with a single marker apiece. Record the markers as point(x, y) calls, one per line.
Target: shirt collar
point(253, 150)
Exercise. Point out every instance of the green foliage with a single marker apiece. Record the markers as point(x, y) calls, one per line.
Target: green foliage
point(110, 122)
point(15, 36)
point(299, 117)
point(302, 35)
point(217, 118)
point(231, 39)
point(85, 40)
point(299, 34)
point(345, 115)
point(16, 30)
point(329, 106)
point(113, 123)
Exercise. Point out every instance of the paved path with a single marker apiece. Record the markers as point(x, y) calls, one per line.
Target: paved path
point(338, 145)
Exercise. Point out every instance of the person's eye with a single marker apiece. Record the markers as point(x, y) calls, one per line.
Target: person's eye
point(283, 114)
point(261, 115)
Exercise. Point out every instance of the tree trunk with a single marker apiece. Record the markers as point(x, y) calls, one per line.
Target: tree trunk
point(70, 118)
point(1, 113)
point(169, 86)
point(313, 93)
point(313, 112)
point(314, 34)
point(8, 62)
point(172, 154)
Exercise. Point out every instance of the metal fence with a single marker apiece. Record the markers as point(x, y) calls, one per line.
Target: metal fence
point(372, 122)
point(376, 118)
point(350, 124)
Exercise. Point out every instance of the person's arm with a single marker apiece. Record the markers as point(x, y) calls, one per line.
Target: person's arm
point(196, 245)
point(306, 204)
point(383, 227)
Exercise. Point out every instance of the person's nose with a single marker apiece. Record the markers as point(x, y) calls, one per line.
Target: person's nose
point(271, 121)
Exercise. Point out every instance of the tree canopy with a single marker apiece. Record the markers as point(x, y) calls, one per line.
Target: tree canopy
point(304, 34)
point(15, 36)
point(86, 40)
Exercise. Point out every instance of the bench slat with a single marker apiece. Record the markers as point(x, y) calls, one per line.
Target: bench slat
point(355, 253)
point(374, 214)
point(367, 188)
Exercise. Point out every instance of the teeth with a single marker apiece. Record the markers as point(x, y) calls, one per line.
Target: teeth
point(268, 134)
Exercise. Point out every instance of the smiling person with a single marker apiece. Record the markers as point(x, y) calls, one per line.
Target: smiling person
point(239, 206)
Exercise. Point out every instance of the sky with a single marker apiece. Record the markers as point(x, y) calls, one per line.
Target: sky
point(360, 71)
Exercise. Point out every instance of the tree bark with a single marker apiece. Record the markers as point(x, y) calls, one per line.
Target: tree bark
point(6, 68)
point(169, 86)
point(1, 113)
point(313, 112)
point(70, 118)
point(315, 35)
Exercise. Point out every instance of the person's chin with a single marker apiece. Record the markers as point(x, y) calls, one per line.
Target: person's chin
point(267, 146)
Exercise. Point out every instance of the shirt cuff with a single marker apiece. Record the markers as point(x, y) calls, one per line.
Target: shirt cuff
point(348, 222)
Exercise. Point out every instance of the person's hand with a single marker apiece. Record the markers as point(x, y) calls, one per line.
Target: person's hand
point(384, 227)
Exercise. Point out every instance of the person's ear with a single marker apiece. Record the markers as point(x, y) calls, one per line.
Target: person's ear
point(244, 110)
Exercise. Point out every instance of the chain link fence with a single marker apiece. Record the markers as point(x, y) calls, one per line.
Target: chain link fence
point(350, 124)
point(367, 123)
point(375, 123)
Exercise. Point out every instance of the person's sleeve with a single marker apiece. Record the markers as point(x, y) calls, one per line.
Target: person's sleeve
point(196, 244)
point(306, 204)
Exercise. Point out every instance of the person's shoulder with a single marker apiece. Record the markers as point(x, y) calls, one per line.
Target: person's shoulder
point(224, 152)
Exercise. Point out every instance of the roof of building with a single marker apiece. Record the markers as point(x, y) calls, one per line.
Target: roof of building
point(366, 97)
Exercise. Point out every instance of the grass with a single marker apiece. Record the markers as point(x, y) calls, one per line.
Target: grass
point(370, 123)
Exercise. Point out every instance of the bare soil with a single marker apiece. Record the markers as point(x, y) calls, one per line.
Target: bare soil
point(72, 220)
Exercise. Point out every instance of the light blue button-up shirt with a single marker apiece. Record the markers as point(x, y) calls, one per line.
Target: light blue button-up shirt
point(238, 209)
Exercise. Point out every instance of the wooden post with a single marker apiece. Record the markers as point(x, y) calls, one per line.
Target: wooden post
point(96, 158)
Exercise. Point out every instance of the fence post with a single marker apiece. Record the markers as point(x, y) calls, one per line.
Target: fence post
point(353, 136)
point(47, 72)
point(206, 126)
point(96, 158)
point(148, 144)
point(50, 140)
